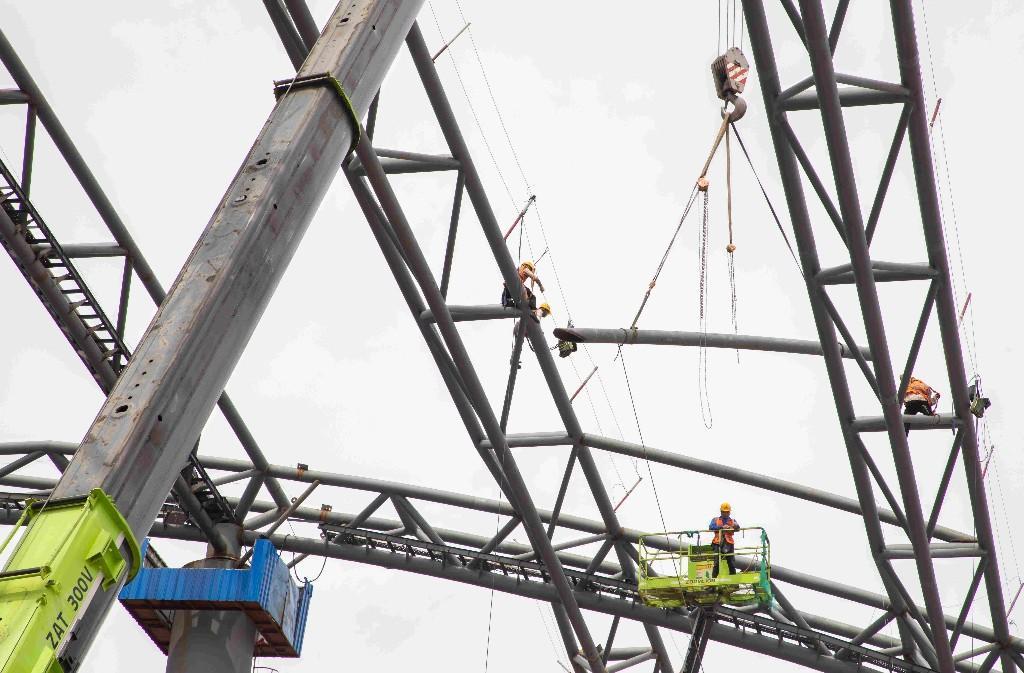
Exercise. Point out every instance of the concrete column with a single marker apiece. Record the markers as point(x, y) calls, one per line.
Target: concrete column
point(213, 641)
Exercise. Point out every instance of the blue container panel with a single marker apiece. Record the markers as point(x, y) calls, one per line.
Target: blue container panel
point(265, 591)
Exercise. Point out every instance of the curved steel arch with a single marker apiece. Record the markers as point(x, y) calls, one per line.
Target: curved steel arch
point(383, 490)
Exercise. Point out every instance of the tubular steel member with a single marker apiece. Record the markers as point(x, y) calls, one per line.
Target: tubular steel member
point(654, 337)
point(154, 414)
point(918, 628)
point(793, 186)
point(492, 232)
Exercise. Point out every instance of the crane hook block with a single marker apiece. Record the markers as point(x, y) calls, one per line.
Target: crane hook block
point(729, 72)
point(70, 549)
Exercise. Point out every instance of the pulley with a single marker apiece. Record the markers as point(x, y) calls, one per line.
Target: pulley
point(729, 72)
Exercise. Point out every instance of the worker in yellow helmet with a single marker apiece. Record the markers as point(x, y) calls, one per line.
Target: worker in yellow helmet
point(723, 543)
point(527, 272)
point(543, 311)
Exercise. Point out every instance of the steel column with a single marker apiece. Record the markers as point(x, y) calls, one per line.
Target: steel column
point(156, 410)
point(920, 152)
point(768, 75)
point(213, 641)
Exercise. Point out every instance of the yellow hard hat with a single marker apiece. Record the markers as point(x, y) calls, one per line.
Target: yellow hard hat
point(725, 507)
point(529, 265)
point(546, 307)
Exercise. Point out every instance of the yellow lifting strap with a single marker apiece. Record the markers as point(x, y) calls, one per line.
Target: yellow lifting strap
point(281, 87)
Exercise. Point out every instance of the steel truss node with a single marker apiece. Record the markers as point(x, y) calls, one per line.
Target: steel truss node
point(552, 568)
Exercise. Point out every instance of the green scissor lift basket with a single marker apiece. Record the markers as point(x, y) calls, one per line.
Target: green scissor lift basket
point(676, 570)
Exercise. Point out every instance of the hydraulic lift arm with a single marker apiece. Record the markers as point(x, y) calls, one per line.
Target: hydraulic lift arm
point(80, 545)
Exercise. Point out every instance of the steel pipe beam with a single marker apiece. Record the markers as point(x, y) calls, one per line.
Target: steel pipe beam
point(468, 313)
point(848, 97)
point(303, 20)
point(400, 166)
point(757, 479)
point(83, 250)
point(286, 32)
point(917, 422)
point(883, 272)
point(651, 337)
point(13, 97)
point(906, 552)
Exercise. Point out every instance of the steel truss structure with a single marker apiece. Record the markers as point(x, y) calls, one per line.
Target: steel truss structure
point(267, 190)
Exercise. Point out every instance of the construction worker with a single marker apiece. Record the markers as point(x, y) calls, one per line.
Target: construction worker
point(919, 398)
point(724, 543)
point(527, 272)
point(543, 311)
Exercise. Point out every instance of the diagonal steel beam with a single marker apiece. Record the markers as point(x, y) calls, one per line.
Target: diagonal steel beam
point(156, 410)
point(517, 492)
point(495, 239)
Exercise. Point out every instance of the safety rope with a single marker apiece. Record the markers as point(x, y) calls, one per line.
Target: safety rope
point(767, 199)
point(664, 258)
point(643, 444)
point(970, 340)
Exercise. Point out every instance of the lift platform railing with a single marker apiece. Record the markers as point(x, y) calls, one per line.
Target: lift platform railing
point(686, 574)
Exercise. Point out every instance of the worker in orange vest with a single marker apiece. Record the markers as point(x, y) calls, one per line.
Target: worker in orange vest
point(919, 398)
point(724, 543)
point(527, 272)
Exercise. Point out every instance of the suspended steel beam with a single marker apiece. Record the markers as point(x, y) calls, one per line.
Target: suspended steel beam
point(652, 337)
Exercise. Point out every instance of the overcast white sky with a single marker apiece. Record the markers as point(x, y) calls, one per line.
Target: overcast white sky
point(611, 113)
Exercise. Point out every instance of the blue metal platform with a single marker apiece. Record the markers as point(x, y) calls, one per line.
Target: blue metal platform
point(264, 591)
